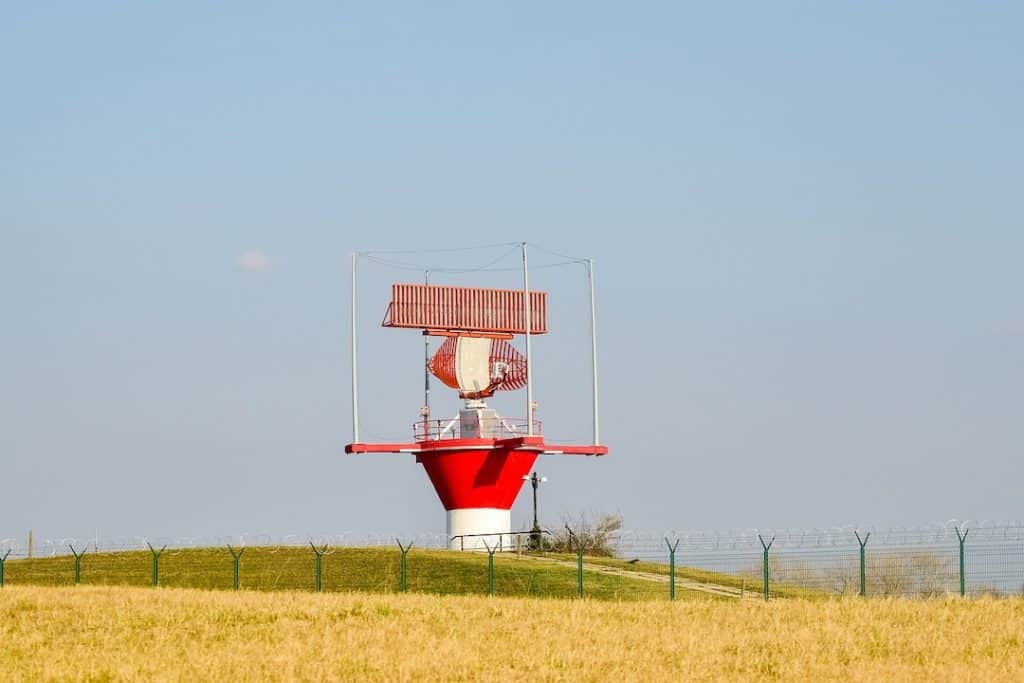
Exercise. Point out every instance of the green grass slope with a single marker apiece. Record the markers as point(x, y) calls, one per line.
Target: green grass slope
point(750, 584)
point(344, 569)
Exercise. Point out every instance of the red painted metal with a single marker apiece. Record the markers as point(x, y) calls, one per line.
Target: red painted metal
point(507, 367)
point(477, 473)
point(477, 478)
point(442, 309)
point(523, 443)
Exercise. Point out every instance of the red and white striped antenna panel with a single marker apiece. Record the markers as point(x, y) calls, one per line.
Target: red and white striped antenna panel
point(445, 310)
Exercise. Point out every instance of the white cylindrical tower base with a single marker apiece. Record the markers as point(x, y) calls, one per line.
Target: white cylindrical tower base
point(494, 524)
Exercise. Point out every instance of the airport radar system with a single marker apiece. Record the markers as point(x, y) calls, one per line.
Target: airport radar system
point(478, 459)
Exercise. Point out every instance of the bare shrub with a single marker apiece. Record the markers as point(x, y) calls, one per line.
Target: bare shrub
point(921, 573)
point(599, 537)
point(843, 577)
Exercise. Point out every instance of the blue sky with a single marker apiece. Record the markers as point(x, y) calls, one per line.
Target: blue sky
point(806, 219)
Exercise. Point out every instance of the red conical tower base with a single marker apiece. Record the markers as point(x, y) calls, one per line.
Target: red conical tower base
point(477, 481)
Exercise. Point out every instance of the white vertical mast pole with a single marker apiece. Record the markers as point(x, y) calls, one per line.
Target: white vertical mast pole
point(529, 358)
point(593, 351)
point(426, 371)
point(355, 359)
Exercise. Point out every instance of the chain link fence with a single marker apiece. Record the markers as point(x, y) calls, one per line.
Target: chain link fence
point(914, 562)
point(957, 558)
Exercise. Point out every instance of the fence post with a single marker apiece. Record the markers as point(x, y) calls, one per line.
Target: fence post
point(403, 583)
point(963, 575)
point(579, 567)
point(579, 570)
point(766, 547)
point(863, 566)
point(672, 568)
point(235, 556)
point(319, 552)
point(490, 567)
point(579, 561)
point(78, 563)
point(2, 561)
point(156, 563)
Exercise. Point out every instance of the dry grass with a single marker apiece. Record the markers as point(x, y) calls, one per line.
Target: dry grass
point(108, 633)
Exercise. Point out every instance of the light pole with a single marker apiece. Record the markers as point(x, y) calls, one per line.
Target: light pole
point(535, 481)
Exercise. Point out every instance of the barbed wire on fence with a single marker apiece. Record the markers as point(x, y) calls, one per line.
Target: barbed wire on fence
point(824, 538)
point(630, 542)
point(50, 547)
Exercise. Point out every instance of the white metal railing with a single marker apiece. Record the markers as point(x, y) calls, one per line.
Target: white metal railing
point(487, 428)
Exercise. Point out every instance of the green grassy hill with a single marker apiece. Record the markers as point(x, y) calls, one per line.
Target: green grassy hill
point(345, 569)
point(747, 585)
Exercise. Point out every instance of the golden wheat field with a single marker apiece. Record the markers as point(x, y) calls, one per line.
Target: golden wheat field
point(110, 633)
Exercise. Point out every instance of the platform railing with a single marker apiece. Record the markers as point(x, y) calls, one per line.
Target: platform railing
point(514, 542)
point(488, 428)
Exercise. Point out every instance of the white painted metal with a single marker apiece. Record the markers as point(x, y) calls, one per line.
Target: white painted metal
point(593, 351)
point(426, 364)
point(448, 427)
point(473, 363)
point(529, 356)
point(355, 359)
point(479, 422)
point(469, 423)
point(494, 523)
